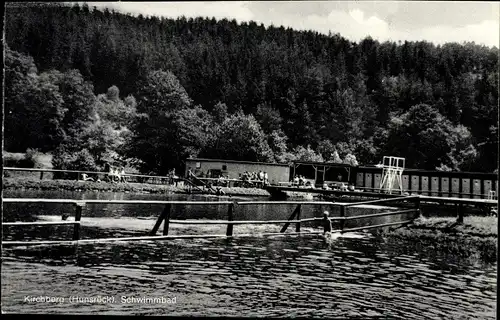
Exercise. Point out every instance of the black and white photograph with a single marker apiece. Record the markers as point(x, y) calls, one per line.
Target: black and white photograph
point(251, 159)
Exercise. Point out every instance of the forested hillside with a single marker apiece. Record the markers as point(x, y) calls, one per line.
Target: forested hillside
point(94, 87)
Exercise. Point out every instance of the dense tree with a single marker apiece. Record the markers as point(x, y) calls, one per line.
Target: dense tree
point(303, 154)
point(170, 129)
point(429, 140)
point(303, 88)
point(33, 106)
point(240, 137)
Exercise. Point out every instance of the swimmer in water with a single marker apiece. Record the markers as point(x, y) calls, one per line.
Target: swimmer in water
point(327, 223)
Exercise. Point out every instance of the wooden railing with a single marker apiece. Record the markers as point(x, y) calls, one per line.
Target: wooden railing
point(78, 174)
point(344, 217)
point(164, 218)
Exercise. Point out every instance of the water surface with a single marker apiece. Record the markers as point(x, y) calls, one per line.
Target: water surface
point(356, 275)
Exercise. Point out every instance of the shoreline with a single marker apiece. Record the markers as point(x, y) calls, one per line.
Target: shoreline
point(81, 186)
point(476, 238)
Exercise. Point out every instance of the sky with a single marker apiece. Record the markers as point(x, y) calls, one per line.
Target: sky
point(438, 22)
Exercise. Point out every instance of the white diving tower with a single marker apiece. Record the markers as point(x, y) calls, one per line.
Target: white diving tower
point(392, 171)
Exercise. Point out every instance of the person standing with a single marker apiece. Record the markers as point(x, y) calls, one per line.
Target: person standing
point(122, 174)
point(327, 223)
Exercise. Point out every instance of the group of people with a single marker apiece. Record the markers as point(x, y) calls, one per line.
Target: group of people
point(300, 181)
point(115, 174)
point(340, 187)
point(260, 177)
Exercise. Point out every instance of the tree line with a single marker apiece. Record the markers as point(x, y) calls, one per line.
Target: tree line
point(94, 87)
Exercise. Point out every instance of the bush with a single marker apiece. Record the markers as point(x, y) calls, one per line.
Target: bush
point(351, 160)
point(12, 159)
point(32, 158)
point(65, 160)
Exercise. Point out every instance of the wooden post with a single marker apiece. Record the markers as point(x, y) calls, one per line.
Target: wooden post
point(41, 175)
point(229, 231)
point(297, 226)
point(166, 222)
point(78, 217)
point(417, 208)
point(290, 218)
point(440, 193)
point(342, 215)
point(460, 213)
point(159, 221)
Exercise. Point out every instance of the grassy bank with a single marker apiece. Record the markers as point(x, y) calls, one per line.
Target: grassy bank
point(72, 185)
point(476, 238)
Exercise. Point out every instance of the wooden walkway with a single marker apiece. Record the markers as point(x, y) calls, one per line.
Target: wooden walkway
point(277, 190)
point(164, 218)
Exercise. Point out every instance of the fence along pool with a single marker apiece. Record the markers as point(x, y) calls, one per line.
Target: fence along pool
point(164, 218)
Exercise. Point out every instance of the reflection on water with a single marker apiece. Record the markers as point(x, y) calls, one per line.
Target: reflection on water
point(350, 276)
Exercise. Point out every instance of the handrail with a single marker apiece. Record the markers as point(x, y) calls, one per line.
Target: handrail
point(458, 200)
point(287, 202)
point(379, 201)
point(377, 226)
point(205, 222)
point(39, 223)
point(165, 215)
point(87, 172)
point(386, 213)
point(97, 201)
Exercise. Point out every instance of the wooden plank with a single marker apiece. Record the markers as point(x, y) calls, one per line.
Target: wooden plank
point(424, 187)
point(458, 200)
point(39, 223)
point(311, 219)
point(466, 188)
point(377, 179)
point(417, 208)
point(368, 180)
point(166, 220)
point(343, 216)
point(377, 226)
point(39, 200)
point(460, 213)
point(388, 213)
point(401, 198)
point(313, 203)
point(445, 187)
point(476, 188)
point(359, 179)
point(93, 201)
point(158, 223)
point(435, 190)
point(415, 183)
point(406, 182)
point(229, 230)
point(290, 218)
point(297, 226)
